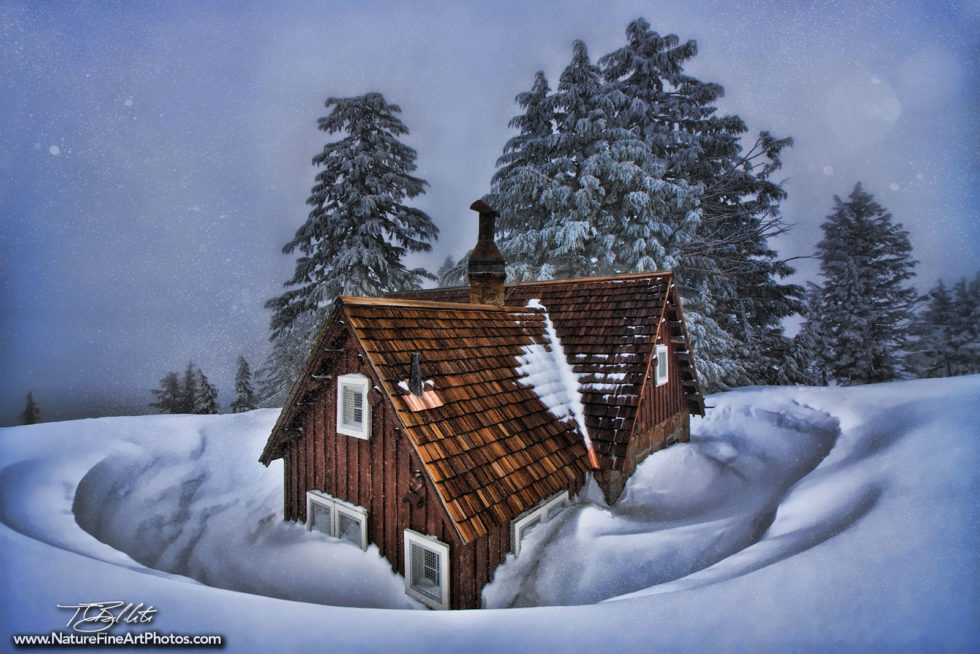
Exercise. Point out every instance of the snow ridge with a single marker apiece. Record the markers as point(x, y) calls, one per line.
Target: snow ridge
point(552, 378)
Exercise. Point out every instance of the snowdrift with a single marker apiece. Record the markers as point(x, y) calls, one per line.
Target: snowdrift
point(830, 518)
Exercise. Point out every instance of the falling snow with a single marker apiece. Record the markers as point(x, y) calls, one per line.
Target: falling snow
point(231, 125)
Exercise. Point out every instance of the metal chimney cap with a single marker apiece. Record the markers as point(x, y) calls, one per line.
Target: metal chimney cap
point(483, 207)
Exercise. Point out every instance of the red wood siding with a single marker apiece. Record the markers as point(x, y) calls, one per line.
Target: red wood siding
point(376, 474)
point(658, 403)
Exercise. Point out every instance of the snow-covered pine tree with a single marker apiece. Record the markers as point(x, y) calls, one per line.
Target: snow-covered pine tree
point(726, 269)
point(358, 230)
point(32, 413)
point(589, 198)
point(245, 399)
point(169, 395)
point(966, 333)
point(188, 390)
point(285, 360)
point(945, 335)
point(206, 397)
point(930, 350)
point(807, 362)
point(627, 167)
point(866, 261)
point(452, 272)
point(519, 184)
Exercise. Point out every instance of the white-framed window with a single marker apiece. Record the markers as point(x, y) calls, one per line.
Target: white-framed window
point(660, 373)
point(427, 569)
point(525, 523)
point(353, 408)
point(336, 518)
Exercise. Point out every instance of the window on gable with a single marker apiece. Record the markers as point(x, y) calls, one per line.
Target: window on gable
point(525, 523)
point(427, 569)
point(661, 365)
point(353, 409)
point(336, 518)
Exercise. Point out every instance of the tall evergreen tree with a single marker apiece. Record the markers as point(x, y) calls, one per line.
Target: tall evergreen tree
point(808, 359)
point(359, 228)
point(188, 390)
point(169, 395)
point(206, 398)
point(930, 349)
point(32, 413)
point(726, 269)
point(285, 361)
point(588, 198)
point(945, 336)
point(866, 261)
point(245, 399)
point(627, 167)
point(966, 334)
point(452, 272)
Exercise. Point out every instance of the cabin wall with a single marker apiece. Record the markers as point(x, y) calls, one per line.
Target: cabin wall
point(377, 474)
point(662, 418)
point(658, 403)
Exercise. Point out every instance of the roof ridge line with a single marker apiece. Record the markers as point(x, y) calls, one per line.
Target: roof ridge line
point(543, 282)
point(430, 304)
point(604, 278)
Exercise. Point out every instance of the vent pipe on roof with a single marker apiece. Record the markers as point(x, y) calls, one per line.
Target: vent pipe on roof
point(486, 265)
point(415, 376)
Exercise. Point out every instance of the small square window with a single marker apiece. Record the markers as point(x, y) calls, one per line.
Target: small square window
point(321, 518)
point(352, 527)
point(555, 509)
point(353, 408)
point(525, 523)
point(425, 572)
point(336, 518)
point(660, 373)
point(427, 569)
point(529, 526)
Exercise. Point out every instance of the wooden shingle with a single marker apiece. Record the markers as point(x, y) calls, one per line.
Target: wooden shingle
point(608, 328)
point(478, 463)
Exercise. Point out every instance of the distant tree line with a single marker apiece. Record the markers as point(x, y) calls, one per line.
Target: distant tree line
point(192, 392)
point(944, 337)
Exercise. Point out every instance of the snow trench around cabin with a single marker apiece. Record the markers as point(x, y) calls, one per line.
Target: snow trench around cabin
point(199, 506)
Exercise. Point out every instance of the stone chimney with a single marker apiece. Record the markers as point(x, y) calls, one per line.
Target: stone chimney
point(486, 266)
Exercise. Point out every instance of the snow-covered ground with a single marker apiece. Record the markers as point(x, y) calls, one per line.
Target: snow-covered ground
point(797, 519)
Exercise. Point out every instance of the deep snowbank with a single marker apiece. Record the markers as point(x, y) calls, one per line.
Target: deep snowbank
point(196, 502)
point(797, 518)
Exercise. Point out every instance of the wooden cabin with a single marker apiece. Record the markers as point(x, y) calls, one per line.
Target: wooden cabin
point(442, 426)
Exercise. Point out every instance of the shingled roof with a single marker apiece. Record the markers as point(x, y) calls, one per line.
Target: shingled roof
point(489, 443)
point(491, 449)
point(607, 327)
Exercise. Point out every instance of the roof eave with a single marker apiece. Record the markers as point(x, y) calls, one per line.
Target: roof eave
point(271, 451)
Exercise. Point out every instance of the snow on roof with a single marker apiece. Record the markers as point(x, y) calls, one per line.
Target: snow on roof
point(545, 368)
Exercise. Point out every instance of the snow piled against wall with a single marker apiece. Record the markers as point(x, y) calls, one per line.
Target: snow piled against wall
point(839, 519)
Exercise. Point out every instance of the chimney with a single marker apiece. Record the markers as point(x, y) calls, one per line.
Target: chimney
point(486, 266)
point(415, 376)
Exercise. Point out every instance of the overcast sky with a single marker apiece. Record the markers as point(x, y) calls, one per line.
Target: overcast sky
point(155, 157)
